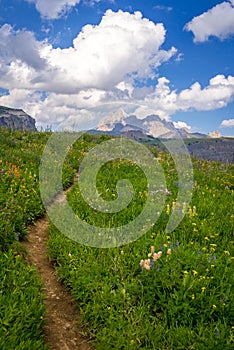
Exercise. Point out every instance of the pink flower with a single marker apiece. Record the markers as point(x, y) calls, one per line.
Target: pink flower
point(156, 256)
point(169, 251)
point(152, 249)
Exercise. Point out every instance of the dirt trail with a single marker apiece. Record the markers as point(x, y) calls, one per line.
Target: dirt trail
point(62, 328)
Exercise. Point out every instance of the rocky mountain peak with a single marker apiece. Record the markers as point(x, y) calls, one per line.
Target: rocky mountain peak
point(16, 119)
point(120, 123)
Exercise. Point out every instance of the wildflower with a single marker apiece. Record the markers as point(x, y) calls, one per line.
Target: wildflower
point(207, 239)
point(169, 251)
point(190, 212)
point(214, 306)
point(152, 249)
point(203, 289)
point(193, 296)
point(168, 209)
point(226, 252)
point(186, 272)
point(195, 272)
point(156, 256)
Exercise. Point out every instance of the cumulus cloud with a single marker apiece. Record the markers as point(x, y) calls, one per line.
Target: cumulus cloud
point(227, 123)
point(123, 46)
point(182, 125)
point(218, 21)
point(217, 94)
point(166, 102)
point(63, 109)
point(103, 66)
point(52, 9)
point(20, 45)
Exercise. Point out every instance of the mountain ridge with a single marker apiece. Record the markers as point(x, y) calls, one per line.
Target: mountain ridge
point(16, 119)
point(120, 123)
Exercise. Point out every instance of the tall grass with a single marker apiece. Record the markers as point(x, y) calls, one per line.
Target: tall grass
point(163, 291)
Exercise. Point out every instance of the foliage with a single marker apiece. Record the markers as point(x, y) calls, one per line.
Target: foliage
point(21, 304)
point(163, 291)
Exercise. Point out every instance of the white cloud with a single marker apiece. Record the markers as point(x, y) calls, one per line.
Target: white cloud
point(67, 110)
point(217, 94)
point(227, 123)
point(218, 21)
point(166, 102)
point(92, 3)
point(182, 125)
point(104, 63)
point(123, 44)
point(122, 47)
point(52, 9)
point(163, 8)
point(20, 45)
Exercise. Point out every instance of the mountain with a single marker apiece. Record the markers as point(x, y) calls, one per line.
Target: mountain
point(16, 119)
point(120, 123)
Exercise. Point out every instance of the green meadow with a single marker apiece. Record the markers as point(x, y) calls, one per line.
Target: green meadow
point(162, 291)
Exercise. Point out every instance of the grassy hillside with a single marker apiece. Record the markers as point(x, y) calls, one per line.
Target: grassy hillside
point(21, 303)
point(163, 291)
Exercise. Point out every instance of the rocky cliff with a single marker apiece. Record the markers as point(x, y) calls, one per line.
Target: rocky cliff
point(16, 119)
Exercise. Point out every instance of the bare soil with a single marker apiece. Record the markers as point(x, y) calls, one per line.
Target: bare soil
point(63, 330)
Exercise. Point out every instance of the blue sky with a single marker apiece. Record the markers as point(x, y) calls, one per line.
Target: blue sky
point(64, 61)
